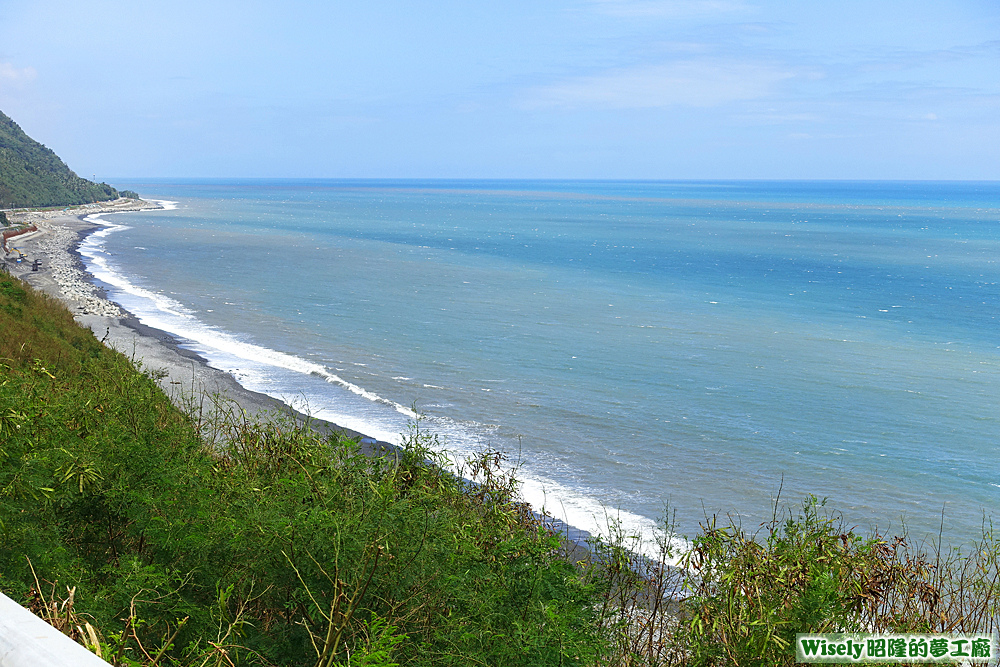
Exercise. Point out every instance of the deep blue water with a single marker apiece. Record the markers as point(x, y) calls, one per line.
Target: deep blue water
point(636, 344)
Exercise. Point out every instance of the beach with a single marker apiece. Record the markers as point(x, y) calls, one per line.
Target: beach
point(182, 374)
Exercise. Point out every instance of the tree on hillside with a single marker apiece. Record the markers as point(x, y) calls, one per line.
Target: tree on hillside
point(33, 175)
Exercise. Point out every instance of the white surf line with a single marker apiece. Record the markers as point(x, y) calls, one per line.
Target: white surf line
point(192, 329)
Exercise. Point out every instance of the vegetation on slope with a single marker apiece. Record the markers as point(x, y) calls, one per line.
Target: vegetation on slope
point(162, 538)
point(32, 175)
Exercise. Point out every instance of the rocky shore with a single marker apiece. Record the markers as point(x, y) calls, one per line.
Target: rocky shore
point(31, 217)
point(62, 275)
point(54, 243)
point(183, 374)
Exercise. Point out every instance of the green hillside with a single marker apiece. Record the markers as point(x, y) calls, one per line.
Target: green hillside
point(32, 175)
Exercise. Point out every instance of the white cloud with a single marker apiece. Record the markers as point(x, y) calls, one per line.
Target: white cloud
point(703, 83)
point(774, 117)
point(668, 8)
point(11, 74)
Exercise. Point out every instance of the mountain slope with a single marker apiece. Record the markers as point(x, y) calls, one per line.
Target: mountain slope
point(32, 175)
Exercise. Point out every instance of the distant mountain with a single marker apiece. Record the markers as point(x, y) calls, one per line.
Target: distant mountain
point(32, 175)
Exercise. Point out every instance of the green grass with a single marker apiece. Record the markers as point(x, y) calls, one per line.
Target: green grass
point(159, 538)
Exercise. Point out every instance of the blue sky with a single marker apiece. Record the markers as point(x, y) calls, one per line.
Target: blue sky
point(560, 89)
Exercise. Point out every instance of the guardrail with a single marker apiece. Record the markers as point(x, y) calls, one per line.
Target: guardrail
point(28, 641)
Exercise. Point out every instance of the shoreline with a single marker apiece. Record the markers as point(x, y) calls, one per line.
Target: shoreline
point(63, 276)
point(182, 374)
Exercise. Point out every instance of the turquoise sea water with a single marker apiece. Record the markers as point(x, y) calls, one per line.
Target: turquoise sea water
point(636, 344)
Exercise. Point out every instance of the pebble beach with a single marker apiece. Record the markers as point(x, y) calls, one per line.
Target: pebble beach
point(182, 374)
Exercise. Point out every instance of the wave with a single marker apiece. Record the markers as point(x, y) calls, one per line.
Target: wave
point(166, 314)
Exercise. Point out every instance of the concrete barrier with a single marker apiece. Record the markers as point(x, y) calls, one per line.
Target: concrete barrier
point(28, 641)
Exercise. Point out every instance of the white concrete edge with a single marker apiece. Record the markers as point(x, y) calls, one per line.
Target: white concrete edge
point(28, 641)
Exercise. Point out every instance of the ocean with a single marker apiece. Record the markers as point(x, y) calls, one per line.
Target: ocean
point(640, 350)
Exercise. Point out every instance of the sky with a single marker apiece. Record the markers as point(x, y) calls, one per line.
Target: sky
point(607, 89)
